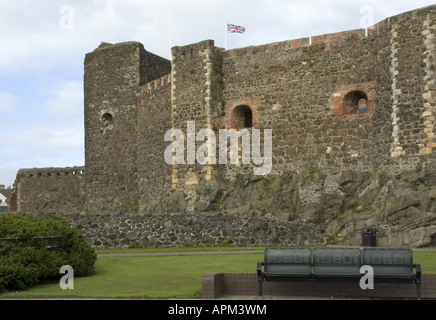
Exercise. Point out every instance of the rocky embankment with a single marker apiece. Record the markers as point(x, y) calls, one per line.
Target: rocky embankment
point(402, 207)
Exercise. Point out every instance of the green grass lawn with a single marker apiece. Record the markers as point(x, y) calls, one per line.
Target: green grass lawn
point(148, 277)
point(164, 276)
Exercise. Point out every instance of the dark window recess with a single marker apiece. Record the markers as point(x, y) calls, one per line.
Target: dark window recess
point(108, 120)
point(242, 117)
point(355, 102)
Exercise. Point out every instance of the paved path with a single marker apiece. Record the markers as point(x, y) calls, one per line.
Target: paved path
point(104, 255)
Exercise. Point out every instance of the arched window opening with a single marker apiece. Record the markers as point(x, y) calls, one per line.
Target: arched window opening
point(108, 120)
point(355, 102)
point(242, 117)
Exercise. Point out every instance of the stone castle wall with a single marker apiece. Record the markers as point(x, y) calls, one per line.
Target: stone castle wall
point(154, 175)
point(49, 190)
point(301, 89)
point(360, 101)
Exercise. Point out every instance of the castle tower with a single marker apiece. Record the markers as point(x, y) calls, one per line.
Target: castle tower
point(113, 76)
point(197, 97)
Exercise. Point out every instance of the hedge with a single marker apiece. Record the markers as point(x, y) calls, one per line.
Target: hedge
point(29, 259)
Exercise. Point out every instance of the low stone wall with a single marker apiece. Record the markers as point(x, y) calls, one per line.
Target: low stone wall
point(145, 230)
point(218, 285)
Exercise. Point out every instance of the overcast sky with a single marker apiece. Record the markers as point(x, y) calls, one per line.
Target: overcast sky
point(43, 44)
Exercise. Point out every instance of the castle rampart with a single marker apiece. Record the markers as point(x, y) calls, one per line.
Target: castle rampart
point(49, 190)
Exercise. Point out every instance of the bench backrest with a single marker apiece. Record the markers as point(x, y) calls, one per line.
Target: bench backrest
point(287, 261)
point(389, 261)
point(331, 261)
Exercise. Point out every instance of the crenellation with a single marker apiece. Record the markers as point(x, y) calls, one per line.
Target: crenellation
point(157, 84)
point(51, 172)
point(49, 190)
point(298, 43)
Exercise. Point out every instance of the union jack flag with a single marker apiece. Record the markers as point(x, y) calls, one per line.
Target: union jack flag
point(231, 28)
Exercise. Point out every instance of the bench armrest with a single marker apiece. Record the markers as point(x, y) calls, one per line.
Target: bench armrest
point(418, 270)
point(259, 269)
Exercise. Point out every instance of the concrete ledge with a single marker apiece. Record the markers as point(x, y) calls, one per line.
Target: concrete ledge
point(217, 285)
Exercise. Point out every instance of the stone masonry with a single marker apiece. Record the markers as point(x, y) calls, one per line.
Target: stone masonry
point(352, 116)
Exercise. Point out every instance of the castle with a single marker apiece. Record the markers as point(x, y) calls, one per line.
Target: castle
point(359, 101)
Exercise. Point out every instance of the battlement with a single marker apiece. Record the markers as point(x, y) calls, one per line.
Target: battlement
point(330, 38)
point(51, 172)
point(157, 84)
point(49, 190)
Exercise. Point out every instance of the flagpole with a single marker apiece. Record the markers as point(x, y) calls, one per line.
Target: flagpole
point(170, 29)
point(225, 36)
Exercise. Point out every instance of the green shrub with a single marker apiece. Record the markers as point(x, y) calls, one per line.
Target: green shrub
point(29, 261)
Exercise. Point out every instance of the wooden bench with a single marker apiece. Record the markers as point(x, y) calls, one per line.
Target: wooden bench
point(338, 265)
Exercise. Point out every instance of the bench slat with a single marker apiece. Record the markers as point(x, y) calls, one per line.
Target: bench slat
point(336, 261)
point(396, 262)
point(288, 261)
